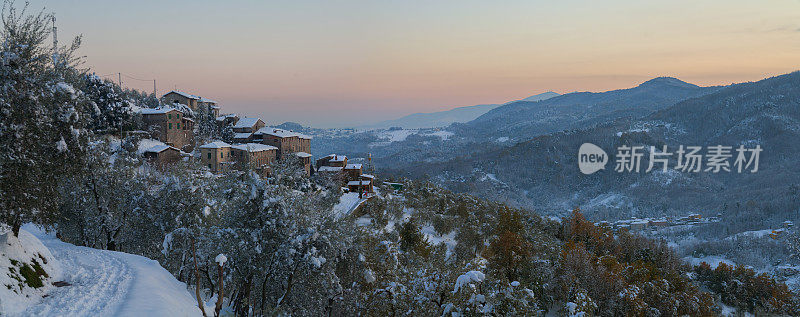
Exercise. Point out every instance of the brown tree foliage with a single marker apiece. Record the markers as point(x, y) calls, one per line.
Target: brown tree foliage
point(624, 274)
point(742, 287)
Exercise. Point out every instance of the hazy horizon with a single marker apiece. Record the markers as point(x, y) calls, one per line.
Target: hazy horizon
point(347, 64)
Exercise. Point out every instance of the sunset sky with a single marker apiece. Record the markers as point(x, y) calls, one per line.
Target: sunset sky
point(340, 63)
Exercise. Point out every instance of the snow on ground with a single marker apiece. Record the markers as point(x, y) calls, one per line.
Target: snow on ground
point(390, 225)
point(108, 283)
point(791, 276)
point(435, 239)
point(726, 310)
point(396, 135)
point(491, 177)
point(619, 134)
point(502, 139)
point(363, 221)
point(347, 203)
point(712, 260)
point(16, 253)
point(444, 135)
point(755, 234)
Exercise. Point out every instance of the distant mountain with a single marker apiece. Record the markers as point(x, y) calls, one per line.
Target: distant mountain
point(542, 96)
point(526, 118)
point(447, 117)
point(541, 173)
point(515, 122)
point(293, 126)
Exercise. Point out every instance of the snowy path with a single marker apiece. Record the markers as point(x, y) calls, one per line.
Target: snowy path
point(107, 283)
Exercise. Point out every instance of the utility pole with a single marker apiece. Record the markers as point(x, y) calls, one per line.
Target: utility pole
point(55, 43)
point(154, 89)
point(120, 80)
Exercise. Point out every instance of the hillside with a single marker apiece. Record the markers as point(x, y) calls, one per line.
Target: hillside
point(525, 119)
point(508, 124)
point(542, 172)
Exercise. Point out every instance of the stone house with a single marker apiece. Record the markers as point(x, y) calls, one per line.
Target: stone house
point(332, 160)
point(193, 102)
point(182, 98)
point(360, 186)
point(245, 127)
point(305, 160)
point(254, 156)
point(162, 154)
point(286, 141)
point(209, 104)
point(352, 172)
point(222, 157)
point(170, 126)
point(217, 156)
point(248, 124)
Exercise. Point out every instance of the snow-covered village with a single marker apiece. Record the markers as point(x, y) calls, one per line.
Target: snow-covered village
point(524, 158)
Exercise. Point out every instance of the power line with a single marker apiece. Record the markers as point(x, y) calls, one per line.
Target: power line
point(134, 78)
point(120, 75)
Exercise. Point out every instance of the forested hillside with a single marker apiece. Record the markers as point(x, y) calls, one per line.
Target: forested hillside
point(281, 244)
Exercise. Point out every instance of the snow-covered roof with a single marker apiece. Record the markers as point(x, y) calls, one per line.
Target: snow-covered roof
point(159, 110)
point(243, 135)
point(246, 122)
point(215, 145)
point(368, 176)
point(330, 169)
point(160, 148)
point(281, 133)
point(186, 95)
point(303, 154)
point(353, 167)
point(206, 100)
point(225, 116)
point(253, 147)
point(337, 158)
point(358, 183)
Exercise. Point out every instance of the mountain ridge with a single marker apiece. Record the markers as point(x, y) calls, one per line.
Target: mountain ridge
point(439, 119)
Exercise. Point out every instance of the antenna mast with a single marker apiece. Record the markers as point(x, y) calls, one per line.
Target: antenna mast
point(55, 42)
point(369, 163)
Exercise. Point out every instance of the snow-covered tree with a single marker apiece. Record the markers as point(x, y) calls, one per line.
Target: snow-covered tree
point(41, 130)
point(110, 111)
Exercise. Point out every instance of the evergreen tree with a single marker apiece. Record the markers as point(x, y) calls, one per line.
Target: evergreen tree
point(110, 111)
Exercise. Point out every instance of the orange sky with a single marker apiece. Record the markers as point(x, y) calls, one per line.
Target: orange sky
point(345, 63)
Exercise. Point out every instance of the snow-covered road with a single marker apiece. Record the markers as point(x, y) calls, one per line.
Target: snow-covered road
point(107, 283)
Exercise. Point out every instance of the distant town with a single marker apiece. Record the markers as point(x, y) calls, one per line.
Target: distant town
point(255, 146)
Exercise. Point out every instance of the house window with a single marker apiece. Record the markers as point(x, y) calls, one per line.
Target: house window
point(209, 166)
point(169, 115)
point(178, 115)
point(170, 126)
point(178, 125)
point(209, 155)
point(221, 155)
